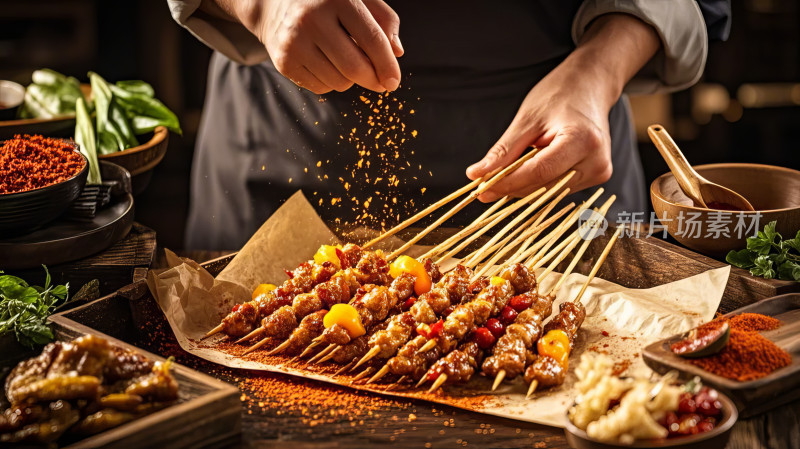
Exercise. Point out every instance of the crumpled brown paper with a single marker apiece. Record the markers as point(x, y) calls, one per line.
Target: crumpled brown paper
point(620, 321)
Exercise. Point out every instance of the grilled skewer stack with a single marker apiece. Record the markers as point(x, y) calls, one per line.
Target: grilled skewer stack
point(367, 310)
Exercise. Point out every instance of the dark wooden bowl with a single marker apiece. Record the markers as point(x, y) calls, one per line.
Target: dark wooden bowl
point(717, 438)
point(142, 158)
point(773, 191)
point(24, 212)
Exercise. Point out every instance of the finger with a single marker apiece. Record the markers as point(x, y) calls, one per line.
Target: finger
point(389, 21)
point(319, 64)
point(550, 163)
point(307, 80)
point(360, 24)
point(511, 145)
point(348, 59)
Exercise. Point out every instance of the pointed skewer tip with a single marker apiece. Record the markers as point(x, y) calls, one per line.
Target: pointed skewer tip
point(438, 383)
point(499, 378)
point(532, 389)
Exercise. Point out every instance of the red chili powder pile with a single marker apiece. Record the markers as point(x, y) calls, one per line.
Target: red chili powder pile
point(748, 355)
point(754, 322)
point(31, 162)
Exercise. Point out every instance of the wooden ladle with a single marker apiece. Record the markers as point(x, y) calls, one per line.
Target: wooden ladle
point(696, 187)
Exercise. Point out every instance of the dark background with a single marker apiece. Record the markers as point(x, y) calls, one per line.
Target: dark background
point(746, 108)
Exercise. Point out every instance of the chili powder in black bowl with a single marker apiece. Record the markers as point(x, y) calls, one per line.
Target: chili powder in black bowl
point(39, 178)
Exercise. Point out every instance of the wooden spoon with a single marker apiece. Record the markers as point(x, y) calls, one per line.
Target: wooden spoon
point(696, 187)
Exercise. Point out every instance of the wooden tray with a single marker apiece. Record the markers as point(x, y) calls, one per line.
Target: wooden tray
point(758, 395)
point(207, 414)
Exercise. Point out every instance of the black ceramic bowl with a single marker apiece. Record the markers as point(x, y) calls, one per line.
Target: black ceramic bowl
point(23, 212)
point(716, 438)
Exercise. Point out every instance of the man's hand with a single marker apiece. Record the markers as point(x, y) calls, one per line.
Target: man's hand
point(566, 113)
point(325, 45)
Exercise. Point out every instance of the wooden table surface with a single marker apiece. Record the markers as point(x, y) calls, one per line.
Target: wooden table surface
point(354, 420)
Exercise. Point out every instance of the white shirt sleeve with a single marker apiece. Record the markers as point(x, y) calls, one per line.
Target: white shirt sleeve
point(684, 40)
point(231, 39)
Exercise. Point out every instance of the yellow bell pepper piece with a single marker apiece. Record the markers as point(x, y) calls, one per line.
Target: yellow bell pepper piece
point(497, 280)
point(262, 289)
point(406, 264)
point(346, 316)
point(556, 345)
point(327, 253)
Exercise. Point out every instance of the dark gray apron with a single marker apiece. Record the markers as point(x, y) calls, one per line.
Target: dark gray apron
point(468, 64)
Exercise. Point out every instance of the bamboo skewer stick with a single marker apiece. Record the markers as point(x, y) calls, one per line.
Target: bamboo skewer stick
point(587, 241)
point(255, 333)
point(492, 222)
point(330, 354)
point(278, 349)
point(256, 346)
point(499, 235)
point(483, 187)
point(373, 351)
point(598, 264)
point(437, 383)
point(344, 368)
point(554, 235)
point(589, 278)
point(381, 372)
point(427, 211)
point(477, 256)
point(486, 217)
point(517, 256)
point(216, 330)
point(530, 233)
point(490, 267)
point(363, 374)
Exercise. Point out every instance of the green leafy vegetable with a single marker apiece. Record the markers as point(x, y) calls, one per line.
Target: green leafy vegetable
point(50, 95)
point(24, 308)
point(86, 140)
point(770, 256)
point(122, 110)
point(141, 105)
point(114, 133)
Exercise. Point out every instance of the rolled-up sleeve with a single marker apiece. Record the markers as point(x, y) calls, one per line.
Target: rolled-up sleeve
point(229, 38)
point(684, 40)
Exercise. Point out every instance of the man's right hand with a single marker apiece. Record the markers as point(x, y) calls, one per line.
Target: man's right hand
point(325, 45)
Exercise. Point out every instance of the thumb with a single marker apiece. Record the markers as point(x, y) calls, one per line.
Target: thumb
point(389, 22)
point(510, 146)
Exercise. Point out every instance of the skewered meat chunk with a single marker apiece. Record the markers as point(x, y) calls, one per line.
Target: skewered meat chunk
point(569, 319)
point(511, 351)
point(546, 371)
point(281, 323)
point(408, 362)
point(521, 277)
point(460, 365)
point(336, 335)
point(433, 270)
point(310, 327)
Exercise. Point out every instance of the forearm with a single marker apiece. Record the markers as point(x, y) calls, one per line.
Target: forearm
point(613, 49)
point(244, 12)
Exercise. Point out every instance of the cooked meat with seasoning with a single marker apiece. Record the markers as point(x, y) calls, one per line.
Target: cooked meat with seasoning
point(546, 371)
point(84, 386)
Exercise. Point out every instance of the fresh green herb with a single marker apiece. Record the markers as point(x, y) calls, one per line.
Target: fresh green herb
point(24, 308)
point(114, 133)
point(769, 255)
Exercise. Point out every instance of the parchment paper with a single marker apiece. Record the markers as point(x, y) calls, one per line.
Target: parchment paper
point(620, 321)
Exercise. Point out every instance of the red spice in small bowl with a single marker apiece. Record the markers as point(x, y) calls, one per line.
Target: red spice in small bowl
point(31, 162)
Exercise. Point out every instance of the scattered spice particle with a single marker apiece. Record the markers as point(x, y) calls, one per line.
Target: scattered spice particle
point(605, 333)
